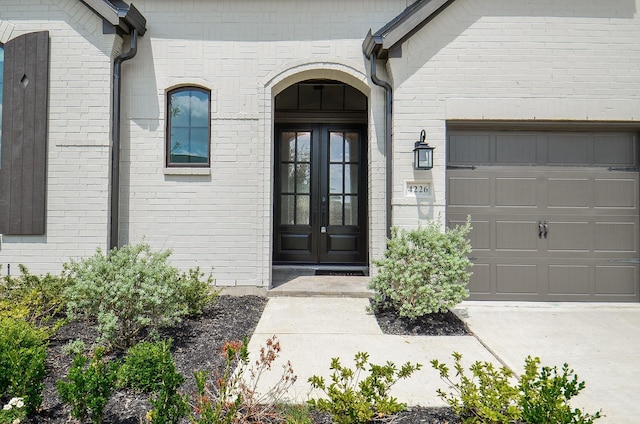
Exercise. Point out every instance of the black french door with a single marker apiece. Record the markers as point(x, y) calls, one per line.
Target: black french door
point(320, 194)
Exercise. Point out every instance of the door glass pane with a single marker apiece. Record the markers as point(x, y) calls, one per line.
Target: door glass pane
point(352, 147)
point(351, 179)
point(288, 147)
point(335, 178)
point(304, 147)
point(287, 214)
point(351, 210)
point(302, 210)
point(288, 177)
point(336, 143)
point(303, 178)
point(335, 210)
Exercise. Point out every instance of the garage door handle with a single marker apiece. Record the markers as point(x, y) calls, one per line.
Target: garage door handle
point(546, 229)
point(540, 229)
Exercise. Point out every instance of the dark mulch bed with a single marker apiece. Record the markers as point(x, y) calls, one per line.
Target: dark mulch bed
point(437, 324)
point(196, 346)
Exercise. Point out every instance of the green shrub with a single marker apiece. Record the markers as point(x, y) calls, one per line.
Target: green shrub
point(195, 292)
point(489, 396)
point(545, 395)
point(128, 290)
point(169, 406)
point(36, 299)
point(88, 386)
point(23, 349)
point(146, 366)
point(423, 271)
point(354, 401)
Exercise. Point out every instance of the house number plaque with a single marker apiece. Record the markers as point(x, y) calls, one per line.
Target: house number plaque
point(418, 188)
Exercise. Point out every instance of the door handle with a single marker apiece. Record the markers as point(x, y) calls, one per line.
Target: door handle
point(546, 229)
point(540, 229)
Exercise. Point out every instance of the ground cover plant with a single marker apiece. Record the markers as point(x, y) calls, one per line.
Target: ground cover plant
point(494, 395)
point(423, 271)
point(352, 398)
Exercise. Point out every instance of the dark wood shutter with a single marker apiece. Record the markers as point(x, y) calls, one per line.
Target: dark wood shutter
point(24, 135)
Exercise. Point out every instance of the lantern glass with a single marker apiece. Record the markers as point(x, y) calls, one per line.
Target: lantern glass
point(423, 156)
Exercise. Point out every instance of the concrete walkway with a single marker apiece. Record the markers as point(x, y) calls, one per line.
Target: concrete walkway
point(601, 342)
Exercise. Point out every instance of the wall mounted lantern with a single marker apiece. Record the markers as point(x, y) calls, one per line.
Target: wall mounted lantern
point(422, 153)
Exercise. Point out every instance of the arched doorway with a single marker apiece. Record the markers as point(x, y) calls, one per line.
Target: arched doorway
point(320, 203)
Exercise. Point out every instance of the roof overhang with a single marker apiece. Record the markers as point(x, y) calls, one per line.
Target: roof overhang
point(402, 26)
point(124, 18)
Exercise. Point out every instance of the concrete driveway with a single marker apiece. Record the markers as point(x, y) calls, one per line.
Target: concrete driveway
point(601, 342)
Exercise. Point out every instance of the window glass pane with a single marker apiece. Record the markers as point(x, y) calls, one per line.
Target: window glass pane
point(199, 109)
point(351, 210)
point(352, 147)
point(199, 146)
point(180, 105)
point(288, 177)
point(336, 142)
point(288, 99)
point(304, 147)
point(354, 100)
point(189, 119)
point(351, 179)
point(335, 210)
point(288, 147)
point(309, 97)
point(303, 178)
point(335, 178)
point(302, 210)
point(287, 213)
point(333, 97)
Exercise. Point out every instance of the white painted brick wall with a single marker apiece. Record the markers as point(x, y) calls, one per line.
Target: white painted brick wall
point(480, 59)
point(494, 59)
point(78, 140)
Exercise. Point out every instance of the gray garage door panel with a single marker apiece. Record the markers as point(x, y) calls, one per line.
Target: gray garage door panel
point(554, 217)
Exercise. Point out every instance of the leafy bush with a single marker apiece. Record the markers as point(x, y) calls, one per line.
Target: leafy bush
point(545, 395)
point(36, 299)
point(23, 349)
point(541, 395)
point(486, 397)
point(234, 396)
point(169, 406)
point(146, 366)
point(351, 401)
point(89, 384)
point(423, 271)
point(196, 293)
point(126, 291)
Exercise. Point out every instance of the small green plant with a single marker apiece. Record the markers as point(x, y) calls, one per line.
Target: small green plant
point(491, 396)
point(295, 414)
point(487, 396)
point(128, 290)
point(197, 293)
point(545, 395)
point(146, 366)
point(13, 412)
point(38, 300)
point(88, 386)
point(354, 401)
point(234, 396)
point(169, 406)
point(423, 271)
point(23, 349)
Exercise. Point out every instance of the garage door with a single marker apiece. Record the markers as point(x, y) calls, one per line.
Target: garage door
point(554, 214)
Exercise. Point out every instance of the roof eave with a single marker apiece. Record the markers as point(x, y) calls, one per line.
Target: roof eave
point(124, 18)
point(403, 26)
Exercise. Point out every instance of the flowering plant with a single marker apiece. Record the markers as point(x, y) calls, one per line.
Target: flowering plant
point(13, 412)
